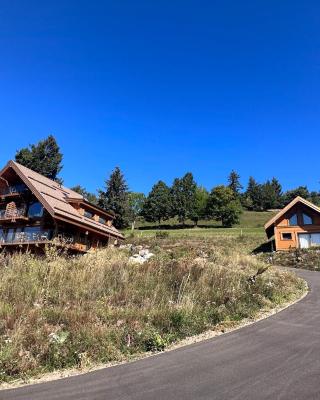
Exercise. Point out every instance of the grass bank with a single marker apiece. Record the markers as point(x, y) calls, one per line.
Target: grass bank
point(58, 312)
point(248, 219)
point(251, 223)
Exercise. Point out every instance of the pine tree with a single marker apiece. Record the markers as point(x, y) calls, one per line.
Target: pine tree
point(254, 195)
point(183, 193)
point(278, 189)
point(157, 206)
point(115, 198)
point(234, 183)
point(43, 157)
point(222, 206)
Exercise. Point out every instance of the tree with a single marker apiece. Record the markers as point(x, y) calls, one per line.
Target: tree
point(290, 195)
point(183, 193)
point(200, 206)
point(43, 157)
point(314, 197)
point(91, 197)
point(278, 192)
point(271, 195)
point(253, 199)
point(115, 198)
point(157, 206)
point(222, 206)
point(234, 183)
point(136, 202)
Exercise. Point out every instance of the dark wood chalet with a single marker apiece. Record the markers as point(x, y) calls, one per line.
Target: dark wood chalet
point(35, 210)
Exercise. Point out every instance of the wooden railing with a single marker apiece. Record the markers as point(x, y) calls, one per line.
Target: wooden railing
point(13, 190)
point(13, 214)
point(43, 236)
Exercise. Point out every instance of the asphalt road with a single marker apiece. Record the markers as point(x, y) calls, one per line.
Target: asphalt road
point(277, 358)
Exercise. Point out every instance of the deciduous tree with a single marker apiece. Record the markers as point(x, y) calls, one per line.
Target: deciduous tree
point(200, 206)
point(222, 206)
point(183, 193)
point(157, 206)
point(44, 157)
point(136, 202)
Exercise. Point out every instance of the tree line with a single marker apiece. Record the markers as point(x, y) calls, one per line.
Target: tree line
point(184, 199)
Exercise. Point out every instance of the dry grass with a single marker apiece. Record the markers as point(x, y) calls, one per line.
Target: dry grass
point(58, 312)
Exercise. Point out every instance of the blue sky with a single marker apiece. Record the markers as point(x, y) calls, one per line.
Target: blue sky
point(162, 88)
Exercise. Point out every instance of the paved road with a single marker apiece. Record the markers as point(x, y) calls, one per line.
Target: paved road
point(275, 359)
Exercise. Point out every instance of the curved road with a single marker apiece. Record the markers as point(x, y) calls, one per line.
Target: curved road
point(276, 358)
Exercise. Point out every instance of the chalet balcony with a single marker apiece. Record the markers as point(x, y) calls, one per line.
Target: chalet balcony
point(13, 215)
point(13, 190)
point(32, 236)
point(35, 236)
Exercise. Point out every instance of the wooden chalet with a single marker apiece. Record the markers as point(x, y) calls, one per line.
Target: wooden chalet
point(35, 210)
point(295, 226)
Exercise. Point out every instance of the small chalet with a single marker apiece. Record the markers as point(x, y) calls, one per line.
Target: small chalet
point(35, 210)
point(295, 226)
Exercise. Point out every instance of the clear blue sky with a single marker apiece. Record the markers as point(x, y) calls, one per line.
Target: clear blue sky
point(161, 88)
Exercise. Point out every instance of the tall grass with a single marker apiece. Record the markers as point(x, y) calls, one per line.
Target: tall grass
point(58, 312)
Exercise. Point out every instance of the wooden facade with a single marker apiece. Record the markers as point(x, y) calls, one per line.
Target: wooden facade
point(296, 226)
point(35, 211)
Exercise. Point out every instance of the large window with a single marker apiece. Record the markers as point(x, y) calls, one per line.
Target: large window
point(307, 220)
point(35, 210)
point(293, 220)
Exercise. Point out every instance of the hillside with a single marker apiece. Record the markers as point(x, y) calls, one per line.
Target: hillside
point(251, 223)
point(63, 312)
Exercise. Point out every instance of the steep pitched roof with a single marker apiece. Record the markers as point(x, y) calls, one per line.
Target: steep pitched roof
point(55, 198)
point(270, 224)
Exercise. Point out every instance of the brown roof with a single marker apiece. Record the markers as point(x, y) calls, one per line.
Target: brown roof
point(270, 224)
point(55, 198)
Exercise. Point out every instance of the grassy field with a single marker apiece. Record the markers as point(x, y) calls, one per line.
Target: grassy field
point(60, 312)
point(251, 223)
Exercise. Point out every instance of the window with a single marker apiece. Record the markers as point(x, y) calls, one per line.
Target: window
point(2, 236)
point(102, 220)
point(10, 235)
point(307, 220)
point(88, 214)
point(287, 236)
point(293, 220)
point(35, 210)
